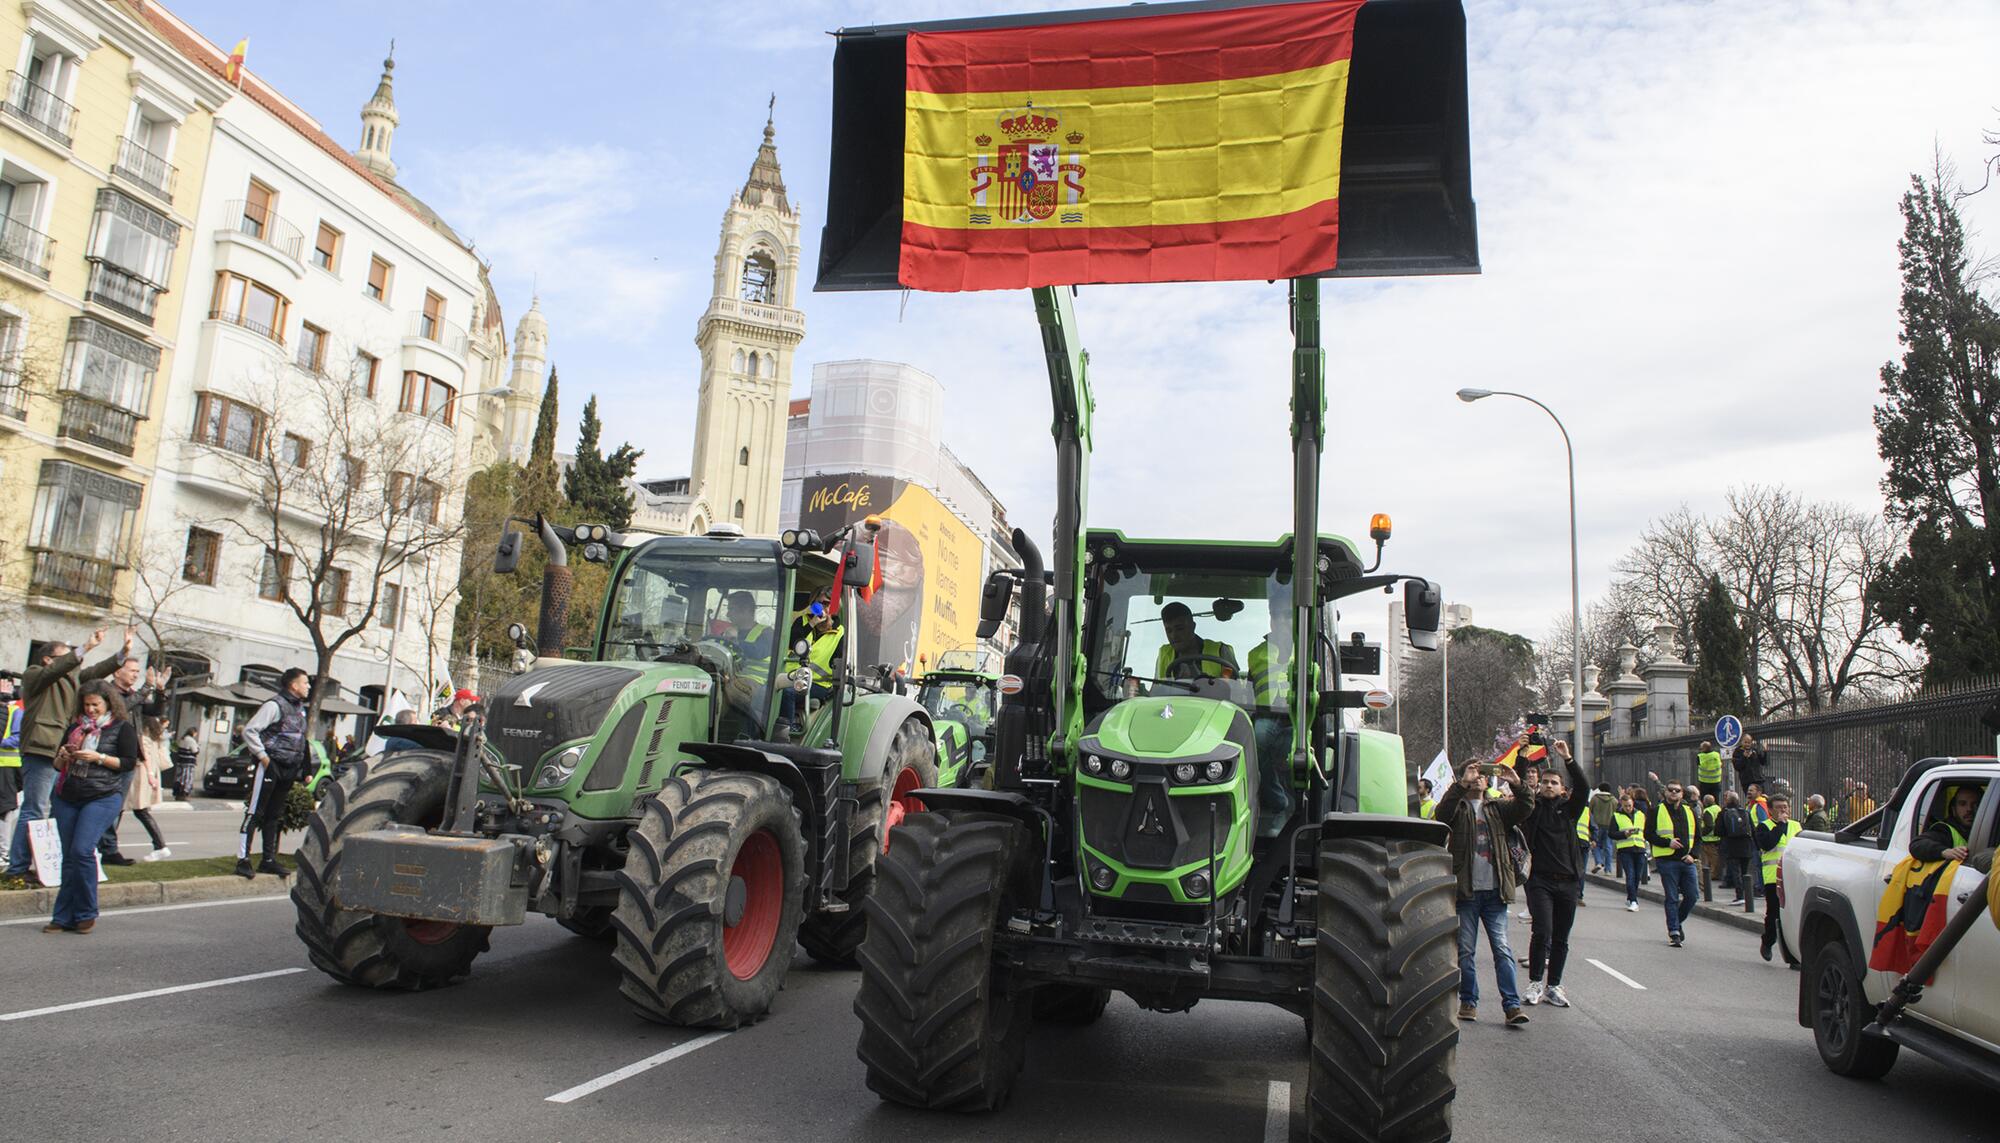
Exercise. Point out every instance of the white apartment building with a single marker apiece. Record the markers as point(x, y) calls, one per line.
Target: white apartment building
point(313, 268)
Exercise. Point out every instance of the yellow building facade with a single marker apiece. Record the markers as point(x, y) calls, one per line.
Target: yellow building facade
point(104, 137)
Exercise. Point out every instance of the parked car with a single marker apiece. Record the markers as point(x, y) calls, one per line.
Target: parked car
point(231, 775)
point(1830, 888)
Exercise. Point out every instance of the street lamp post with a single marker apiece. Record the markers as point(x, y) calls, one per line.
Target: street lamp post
point(1575, 581)
point(403, 589)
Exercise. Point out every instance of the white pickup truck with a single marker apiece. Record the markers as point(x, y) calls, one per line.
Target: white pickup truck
point(1830, 887)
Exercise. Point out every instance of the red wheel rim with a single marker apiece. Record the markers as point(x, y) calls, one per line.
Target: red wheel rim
point(760, 869)
point(429, 932)
point(901, 804)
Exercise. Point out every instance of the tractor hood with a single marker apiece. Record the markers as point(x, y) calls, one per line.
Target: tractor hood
point(531, 714)
point(1178, 727)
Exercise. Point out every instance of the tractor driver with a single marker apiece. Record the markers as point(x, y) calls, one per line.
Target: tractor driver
point(751, 641)
point(1187, 655)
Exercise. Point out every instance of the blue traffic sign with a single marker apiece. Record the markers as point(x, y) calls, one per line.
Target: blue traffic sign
point(1728, 732)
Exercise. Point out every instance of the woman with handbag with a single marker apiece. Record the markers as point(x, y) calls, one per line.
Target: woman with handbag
point(155, 761)
point(98, 748)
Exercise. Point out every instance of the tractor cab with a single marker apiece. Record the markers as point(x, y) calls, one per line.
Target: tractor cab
point(962, 696)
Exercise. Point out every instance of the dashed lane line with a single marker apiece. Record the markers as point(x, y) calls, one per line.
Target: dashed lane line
point(1278, 1112)
point(1616, 975)
point(146, 995)
point(38, 919)
point(570, 1095)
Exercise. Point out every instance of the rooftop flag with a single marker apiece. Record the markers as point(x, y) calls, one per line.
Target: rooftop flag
point(1192, 146)
point(234, 72)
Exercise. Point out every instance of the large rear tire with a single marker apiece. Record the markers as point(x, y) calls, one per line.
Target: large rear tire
point(833, 938)
point(940, 1026)
point(1385, 977)
point(369, 949)
point(709, 900)
point(1839, 1011)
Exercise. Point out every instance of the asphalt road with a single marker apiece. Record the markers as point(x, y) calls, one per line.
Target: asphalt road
point(198, 827)
point(1707, 1050)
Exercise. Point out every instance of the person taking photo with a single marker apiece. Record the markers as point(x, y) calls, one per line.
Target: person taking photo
point(1486, 879)
point(1555, 880)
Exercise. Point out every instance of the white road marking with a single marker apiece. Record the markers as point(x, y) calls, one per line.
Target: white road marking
point(41, 920)
point(1615, 974)
point(570, 1095)
point(1278, 1112)
point(147, 995)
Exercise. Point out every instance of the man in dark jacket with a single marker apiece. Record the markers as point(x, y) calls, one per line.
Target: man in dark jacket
point(276, 736)
point(1555, 880)
point(1752, 764)
point(48, 697)
point(1672, 832)
point(1486, 876)
point(1733, 827)
point(1950, 837)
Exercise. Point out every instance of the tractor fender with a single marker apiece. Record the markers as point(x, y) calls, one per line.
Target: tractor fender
point(1381, 775)
point(729, 756)
point(868, 727)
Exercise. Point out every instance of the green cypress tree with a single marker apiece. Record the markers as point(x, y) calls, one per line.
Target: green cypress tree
point(539, 483)
point(1720, 653)
point(595, 483)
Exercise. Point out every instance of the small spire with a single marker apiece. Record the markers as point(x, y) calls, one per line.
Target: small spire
point(766, 184)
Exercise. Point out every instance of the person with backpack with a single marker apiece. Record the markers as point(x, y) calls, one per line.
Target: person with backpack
point(276, 736)
point(1733, 840)
point(1603, 803)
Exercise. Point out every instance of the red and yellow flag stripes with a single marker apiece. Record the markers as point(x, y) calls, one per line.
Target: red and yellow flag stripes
point(1188, 147)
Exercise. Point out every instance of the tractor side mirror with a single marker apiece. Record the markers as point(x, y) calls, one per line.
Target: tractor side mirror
point(507, 556)
point(1227, 609)
point(1423, 611)
point(861, 560)
point(993, 601)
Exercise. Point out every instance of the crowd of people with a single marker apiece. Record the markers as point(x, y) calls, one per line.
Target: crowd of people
point(1536, 831)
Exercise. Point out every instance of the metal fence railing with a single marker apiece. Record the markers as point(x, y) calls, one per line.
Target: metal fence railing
point(1873, 744)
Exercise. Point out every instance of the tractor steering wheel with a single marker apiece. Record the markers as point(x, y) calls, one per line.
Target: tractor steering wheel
point(1197, 660)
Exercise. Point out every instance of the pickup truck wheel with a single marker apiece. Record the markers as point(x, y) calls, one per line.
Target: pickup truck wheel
point(1839, 1013)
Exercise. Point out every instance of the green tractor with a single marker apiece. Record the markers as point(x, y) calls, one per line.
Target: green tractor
point(686, 795)
point(962, 696)
point(1182, 805)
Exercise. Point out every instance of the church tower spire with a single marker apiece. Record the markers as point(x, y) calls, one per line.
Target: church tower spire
point(747, 337)
point(378, 122)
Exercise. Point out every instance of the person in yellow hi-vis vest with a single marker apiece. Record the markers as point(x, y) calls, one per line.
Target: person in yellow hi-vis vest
point(1628, 832)
point(1426, 803)
point(1672, 833)
point(1708, 771)
point(1773, 835)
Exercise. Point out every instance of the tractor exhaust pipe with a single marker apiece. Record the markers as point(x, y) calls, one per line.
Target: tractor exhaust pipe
point(1012, 728)
point(552, 628)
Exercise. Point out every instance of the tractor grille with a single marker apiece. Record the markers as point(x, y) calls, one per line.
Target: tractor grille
point(563, 703)
point(1147, 829)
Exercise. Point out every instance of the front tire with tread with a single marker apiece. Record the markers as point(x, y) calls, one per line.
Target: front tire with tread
point(369, 949)
point(940, 1027)
point(1385, 980)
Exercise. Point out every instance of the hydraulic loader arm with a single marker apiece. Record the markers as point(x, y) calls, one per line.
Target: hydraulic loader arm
point(1069, 390)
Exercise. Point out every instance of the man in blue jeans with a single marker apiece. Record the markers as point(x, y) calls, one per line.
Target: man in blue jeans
point(1670, 830)
point(1486, 878)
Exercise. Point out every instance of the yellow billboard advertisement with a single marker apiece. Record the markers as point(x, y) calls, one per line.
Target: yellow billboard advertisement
point(929, 599)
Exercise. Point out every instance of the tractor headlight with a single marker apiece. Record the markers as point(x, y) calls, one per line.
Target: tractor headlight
point(1216, 770)
point(1102, 877)
point(1195, 885)
point(558, 770)
point(1121, 769)
point(1184, 773)
point(1094, 764)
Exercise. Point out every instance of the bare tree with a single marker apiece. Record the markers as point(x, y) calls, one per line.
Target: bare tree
point(159, 573)
point(1663, 576)
point(348, 498)
point(1827, 640)
point(1608, 624)
point(1489, 693)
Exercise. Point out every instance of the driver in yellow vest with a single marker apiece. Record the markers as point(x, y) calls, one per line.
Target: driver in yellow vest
point(752, 643)
point(1187, 655)
point(1950, 837)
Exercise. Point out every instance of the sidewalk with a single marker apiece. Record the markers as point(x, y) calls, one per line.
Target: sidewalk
point(1721, 912)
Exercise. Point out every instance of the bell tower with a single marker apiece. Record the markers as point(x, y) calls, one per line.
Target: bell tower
point(378, 122)
point(747, 338)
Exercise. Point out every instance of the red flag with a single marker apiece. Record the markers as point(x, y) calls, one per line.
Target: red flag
point(234, 72)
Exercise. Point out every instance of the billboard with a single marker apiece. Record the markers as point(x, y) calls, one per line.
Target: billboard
point(929, 599)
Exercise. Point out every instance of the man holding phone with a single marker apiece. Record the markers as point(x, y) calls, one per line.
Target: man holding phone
point(1486, 876)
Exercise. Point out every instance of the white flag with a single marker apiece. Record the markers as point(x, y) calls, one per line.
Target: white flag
point(1438, 774)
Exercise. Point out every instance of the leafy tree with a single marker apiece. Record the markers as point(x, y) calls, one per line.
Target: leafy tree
point(1489, 691)
point(595, 483)
point(1938, 429)
point(1721, 653)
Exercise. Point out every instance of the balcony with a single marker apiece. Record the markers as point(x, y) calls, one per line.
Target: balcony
point(121, 291)
point(247, 322)
point(144, 169)
point(25, 248)
point(39, 108)
point(449, 337)
point(66, 575)
point(262, 224)
point(97, 423)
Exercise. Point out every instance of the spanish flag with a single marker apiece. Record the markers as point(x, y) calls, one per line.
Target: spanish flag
point(234, 72)
point(1512, 755)
point(1911, 916)
point(1191, 146)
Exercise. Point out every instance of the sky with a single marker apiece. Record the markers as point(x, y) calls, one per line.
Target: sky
point(1688, 223)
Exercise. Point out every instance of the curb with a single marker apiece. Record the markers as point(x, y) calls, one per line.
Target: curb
point(1735, 918)
point(40, 902)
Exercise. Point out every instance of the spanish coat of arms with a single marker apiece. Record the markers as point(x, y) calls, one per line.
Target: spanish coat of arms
point(1030, 177)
